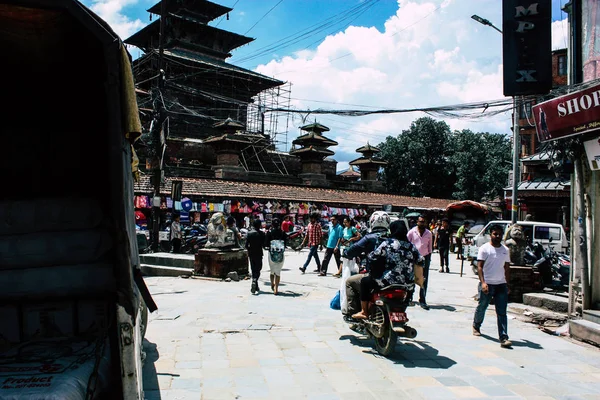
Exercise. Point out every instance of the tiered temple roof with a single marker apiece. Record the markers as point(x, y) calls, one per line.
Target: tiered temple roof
point(313, 143)
point(200, 87)
point(206, 13)
point(367, 159)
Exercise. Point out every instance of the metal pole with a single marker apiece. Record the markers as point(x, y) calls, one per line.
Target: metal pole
point(582, 224)
point(516, 140)
point(516, 151)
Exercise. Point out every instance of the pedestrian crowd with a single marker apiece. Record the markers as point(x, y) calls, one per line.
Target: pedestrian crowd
point(388, 254)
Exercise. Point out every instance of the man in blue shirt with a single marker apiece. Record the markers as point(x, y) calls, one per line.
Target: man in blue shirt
point(333, 246)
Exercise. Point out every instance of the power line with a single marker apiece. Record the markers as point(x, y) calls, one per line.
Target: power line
point(306, 32)
point(446, 111)
point(223, 17)
point(261, 18)
point(350, 53)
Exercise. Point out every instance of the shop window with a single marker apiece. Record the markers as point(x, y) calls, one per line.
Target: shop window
point(562, 65)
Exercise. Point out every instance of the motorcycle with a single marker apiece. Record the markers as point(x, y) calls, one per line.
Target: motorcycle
point(296, 238)
point(554, 269)
point(387, 319)
point(195, 237)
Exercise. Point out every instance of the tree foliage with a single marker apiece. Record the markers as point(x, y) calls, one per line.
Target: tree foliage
point(430, 160)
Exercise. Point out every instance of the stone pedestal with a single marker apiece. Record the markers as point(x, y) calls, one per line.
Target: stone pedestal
point(218, 263)
point(523, 280)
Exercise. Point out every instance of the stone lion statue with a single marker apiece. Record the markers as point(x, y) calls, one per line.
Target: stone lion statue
point(217, 231)
point(514, 239)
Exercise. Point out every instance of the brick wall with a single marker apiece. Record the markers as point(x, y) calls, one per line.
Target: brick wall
point(228, 159)
point(368, 175)
point(311, 167)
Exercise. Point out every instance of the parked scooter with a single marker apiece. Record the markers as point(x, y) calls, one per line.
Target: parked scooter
point(387, 319)
point(554, 269)
point(296, 238)
point(195, 237)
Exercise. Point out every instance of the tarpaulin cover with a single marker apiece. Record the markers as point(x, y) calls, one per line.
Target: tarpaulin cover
point(460, 205)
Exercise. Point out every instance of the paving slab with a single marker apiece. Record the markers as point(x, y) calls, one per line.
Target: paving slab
point(215, 340)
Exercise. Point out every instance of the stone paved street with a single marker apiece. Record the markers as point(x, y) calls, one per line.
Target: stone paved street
point(214, 340)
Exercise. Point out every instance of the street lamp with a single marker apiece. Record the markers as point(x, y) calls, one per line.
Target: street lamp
point(484, 21)
point(516, 138)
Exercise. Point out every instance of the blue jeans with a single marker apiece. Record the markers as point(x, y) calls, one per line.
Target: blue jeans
point(313, 253)
point(500, 295)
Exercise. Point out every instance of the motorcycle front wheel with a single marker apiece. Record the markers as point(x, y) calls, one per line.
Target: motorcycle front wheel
point(386, 344)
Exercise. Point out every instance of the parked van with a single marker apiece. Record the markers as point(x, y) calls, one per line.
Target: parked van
point(535, 231)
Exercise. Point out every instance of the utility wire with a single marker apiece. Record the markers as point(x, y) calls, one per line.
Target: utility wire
point(350, 53)
point(306, 33)
point(261, 18)
point(448, 110)
point(223, 17)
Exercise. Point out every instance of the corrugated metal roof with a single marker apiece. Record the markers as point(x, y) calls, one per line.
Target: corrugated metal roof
point(543, 156)
point(543, 184)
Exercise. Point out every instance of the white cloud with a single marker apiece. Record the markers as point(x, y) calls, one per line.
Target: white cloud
point(112, 12)
point(560, 34)
point(430, 53)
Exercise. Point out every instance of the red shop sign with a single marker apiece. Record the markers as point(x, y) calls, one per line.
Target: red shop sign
point(568, 115)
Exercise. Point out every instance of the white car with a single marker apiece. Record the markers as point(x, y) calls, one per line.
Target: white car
point(535, 231)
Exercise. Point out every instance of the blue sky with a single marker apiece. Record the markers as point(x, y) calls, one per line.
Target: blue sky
point(374, 53)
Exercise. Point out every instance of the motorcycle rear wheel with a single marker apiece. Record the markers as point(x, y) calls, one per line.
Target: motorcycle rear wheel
point(387, 343)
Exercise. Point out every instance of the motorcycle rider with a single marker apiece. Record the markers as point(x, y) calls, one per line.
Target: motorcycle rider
point(379, 223)
point(392, 263)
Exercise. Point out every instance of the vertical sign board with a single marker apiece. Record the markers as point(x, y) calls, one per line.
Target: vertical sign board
point(527, 46)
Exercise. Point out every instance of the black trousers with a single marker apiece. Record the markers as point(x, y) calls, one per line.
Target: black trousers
point(423, 291)
point(444, 257)
point(176, 245)
point(255, 267)
point(328, 253)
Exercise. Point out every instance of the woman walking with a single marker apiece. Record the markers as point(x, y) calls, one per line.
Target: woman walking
point(349, 235)
point(349, 267)
point(275, 244)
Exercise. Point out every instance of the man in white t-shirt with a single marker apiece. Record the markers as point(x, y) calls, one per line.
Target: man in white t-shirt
point(493, 265)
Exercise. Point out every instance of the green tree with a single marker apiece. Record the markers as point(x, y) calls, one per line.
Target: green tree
point(481, 162)
point(429, 160)
point(418, 160)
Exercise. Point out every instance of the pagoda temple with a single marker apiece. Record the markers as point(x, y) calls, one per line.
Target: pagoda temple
point(200, 87)
point(312, 151)
point(228, 148)
point(368, 166)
